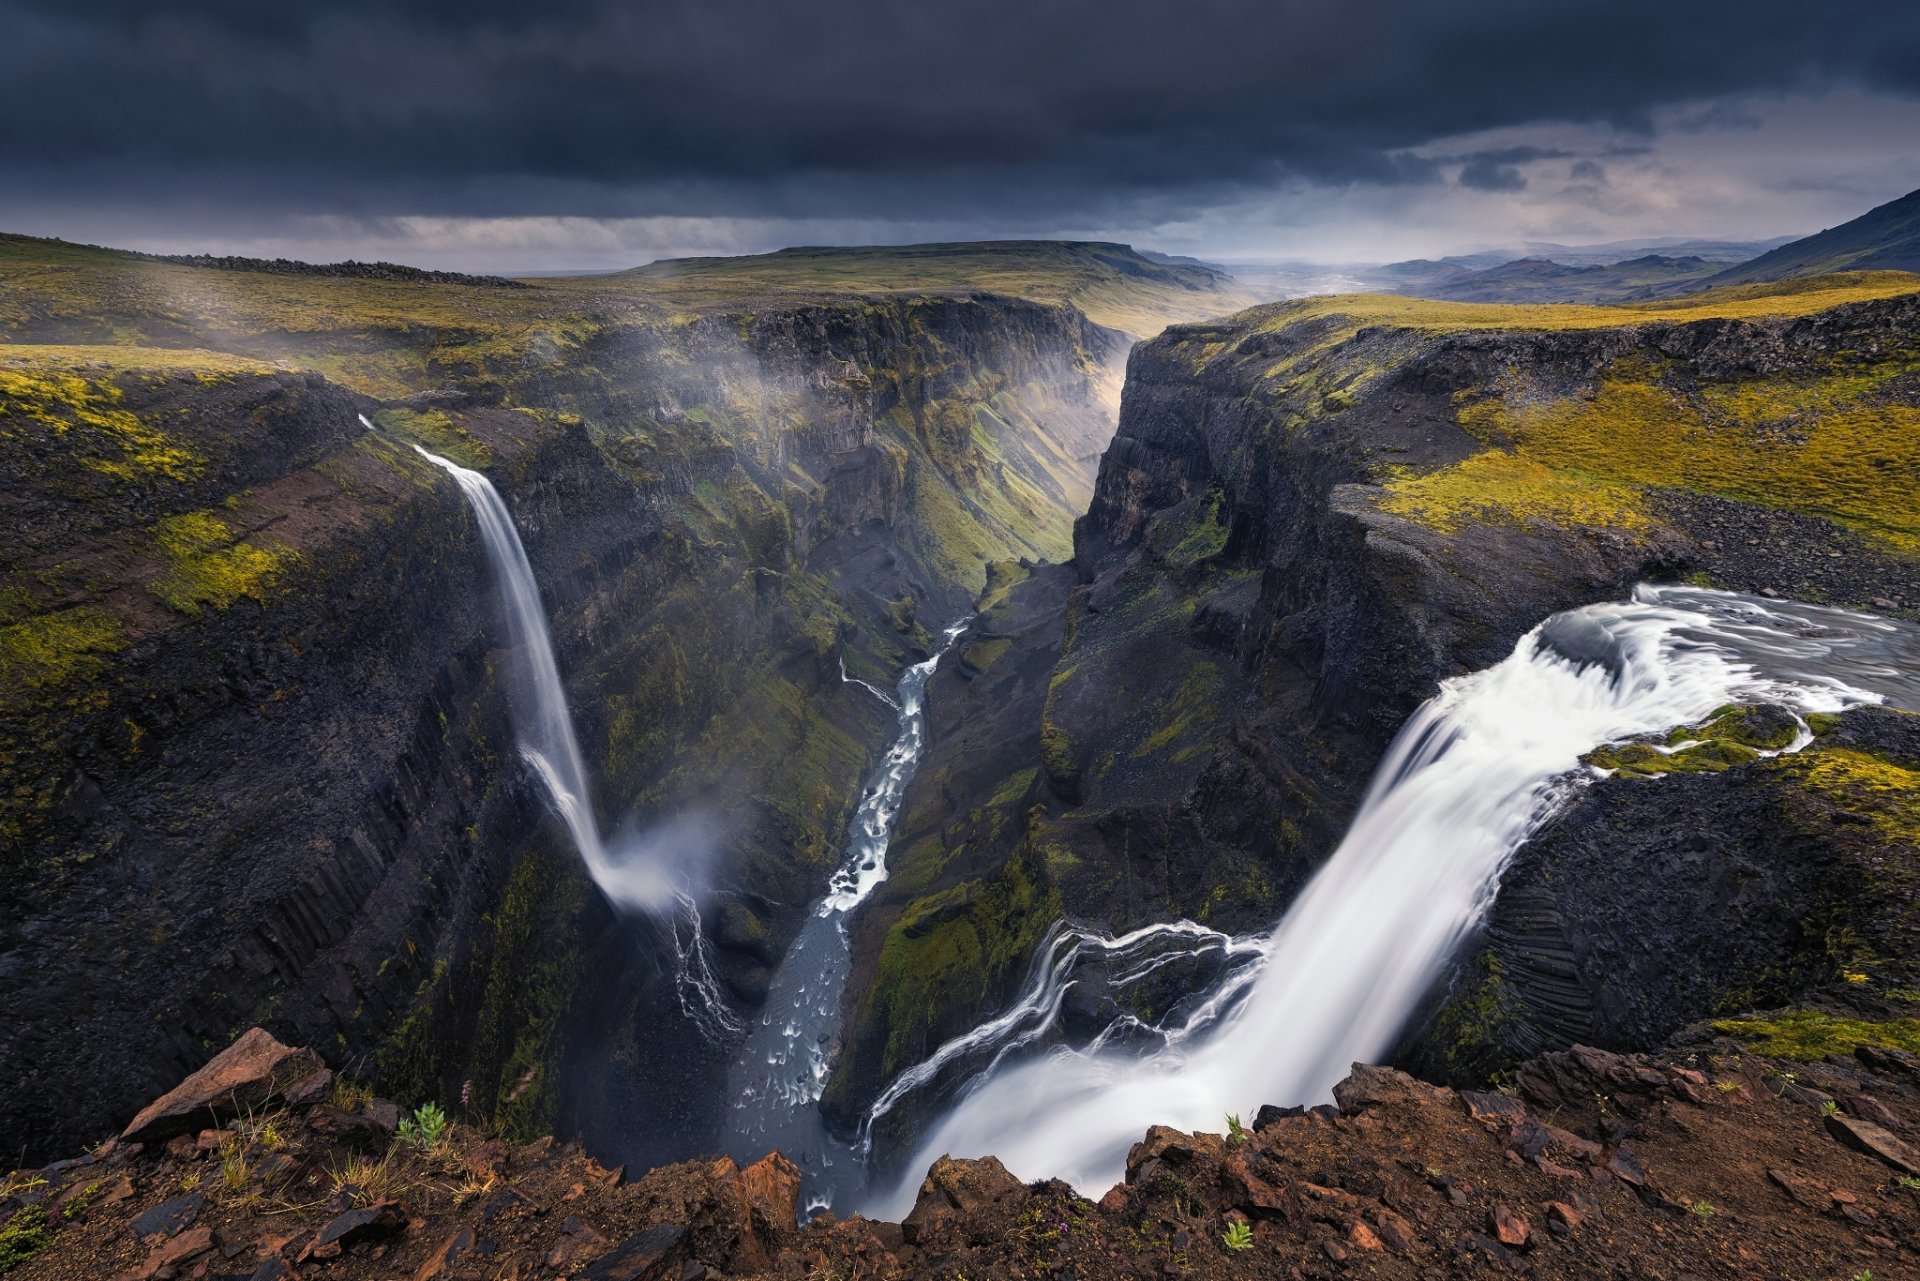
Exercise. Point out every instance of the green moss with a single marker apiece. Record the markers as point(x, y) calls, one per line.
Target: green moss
point(982, 654)
point(110, 439)
point(1190, 710)
point(966, 939)
point(1502, 488)
point(1822, 443)
point(440, 433)
point(207, 566)
point(1731, 735)
point(1809, 1035)
point(1886, 795)
point(26, 1234)
point(52, 649)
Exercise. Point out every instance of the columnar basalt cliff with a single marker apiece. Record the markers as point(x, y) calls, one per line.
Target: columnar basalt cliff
point(258, 764)
point(1311, 514)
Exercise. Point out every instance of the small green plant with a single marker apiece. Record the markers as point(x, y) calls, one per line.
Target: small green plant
point(1701, 1209)
point(25, 1235)
point(1236, 1132)
point(1829, 1108)
point(1906, 1181)
point(425, 1128)
point(1238, 1236)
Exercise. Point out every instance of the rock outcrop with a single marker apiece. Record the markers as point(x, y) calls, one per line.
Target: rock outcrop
point(1592, 1165)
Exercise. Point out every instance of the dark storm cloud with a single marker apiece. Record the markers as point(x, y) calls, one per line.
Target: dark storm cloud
point(880, 107)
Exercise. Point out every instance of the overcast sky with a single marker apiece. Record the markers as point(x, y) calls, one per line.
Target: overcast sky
point(488, 135)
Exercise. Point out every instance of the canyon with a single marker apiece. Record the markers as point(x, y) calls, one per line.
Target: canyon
point(261, 764)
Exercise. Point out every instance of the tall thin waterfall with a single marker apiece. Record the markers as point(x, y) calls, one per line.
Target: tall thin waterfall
point(636, 879)
point(1468, 779)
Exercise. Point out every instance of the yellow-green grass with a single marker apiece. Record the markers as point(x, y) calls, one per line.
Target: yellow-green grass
point(1809, 1035)
point(1817, 443)
point(1743, 302)
point(207, 565)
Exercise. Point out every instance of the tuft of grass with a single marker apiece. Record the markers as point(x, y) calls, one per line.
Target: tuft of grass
point(26, 1234)
point(1237, 1237)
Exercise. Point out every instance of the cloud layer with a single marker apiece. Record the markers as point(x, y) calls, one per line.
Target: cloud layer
point(497, 126)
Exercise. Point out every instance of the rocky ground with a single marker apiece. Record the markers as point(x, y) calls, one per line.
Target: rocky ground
point(1707, 1162)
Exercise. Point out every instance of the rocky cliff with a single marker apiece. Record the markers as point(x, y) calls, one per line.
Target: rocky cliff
point(257, 760)
point(1311, 514)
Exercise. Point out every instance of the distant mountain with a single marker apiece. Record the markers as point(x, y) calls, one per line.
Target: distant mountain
point(1882, 239)
point(1543, 280)
point(1716, 251)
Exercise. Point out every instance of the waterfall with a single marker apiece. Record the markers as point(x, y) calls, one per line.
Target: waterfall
point(640, 877)
point(1471, 775)
point(776, 1082)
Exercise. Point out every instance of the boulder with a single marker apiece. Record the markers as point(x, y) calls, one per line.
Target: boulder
point(957, 1186)
point(1368, 1086)
point(248, 1074)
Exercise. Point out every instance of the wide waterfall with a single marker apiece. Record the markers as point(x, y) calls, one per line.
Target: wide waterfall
point(641, 876)
point(777, 1079)
point(1468, 779)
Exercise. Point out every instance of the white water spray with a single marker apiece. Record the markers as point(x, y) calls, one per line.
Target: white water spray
point(1468, 779)
point(638, 878)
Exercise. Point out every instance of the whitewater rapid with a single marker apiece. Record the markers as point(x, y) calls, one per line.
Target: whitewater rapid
point(781, 1070)
point(1471, 775)
point(641, 875)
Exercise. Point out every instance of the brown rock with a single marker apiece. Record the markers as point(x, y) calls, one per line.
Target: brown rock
point(450, 1252)
point(1249, 1189)
point(1804, 1191)
point(647, 1256)
point(1876, 1141)
point(1395, 1231)
point(1335, 1251)
point(172, 1252)
point(1508, 1227)
point(313, 1088)
point(954, 1186)
point(345, 1229)
point(1868, 1108)
point(1495, 1111)
point(771, 1188)
point(1627, 1168)
point(247, 1074)
point(1564, 1216)
point(1367, 1087)
point(1363, 1236)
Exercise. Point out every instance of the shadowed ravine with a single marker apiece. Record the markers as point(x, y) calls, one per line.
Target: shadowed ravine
point(774, 1088)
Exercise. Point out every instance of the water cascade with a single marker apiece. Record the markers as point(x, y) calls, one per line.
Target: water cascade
point(636, 878)
point(781, 1070)
point(1471, 775)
